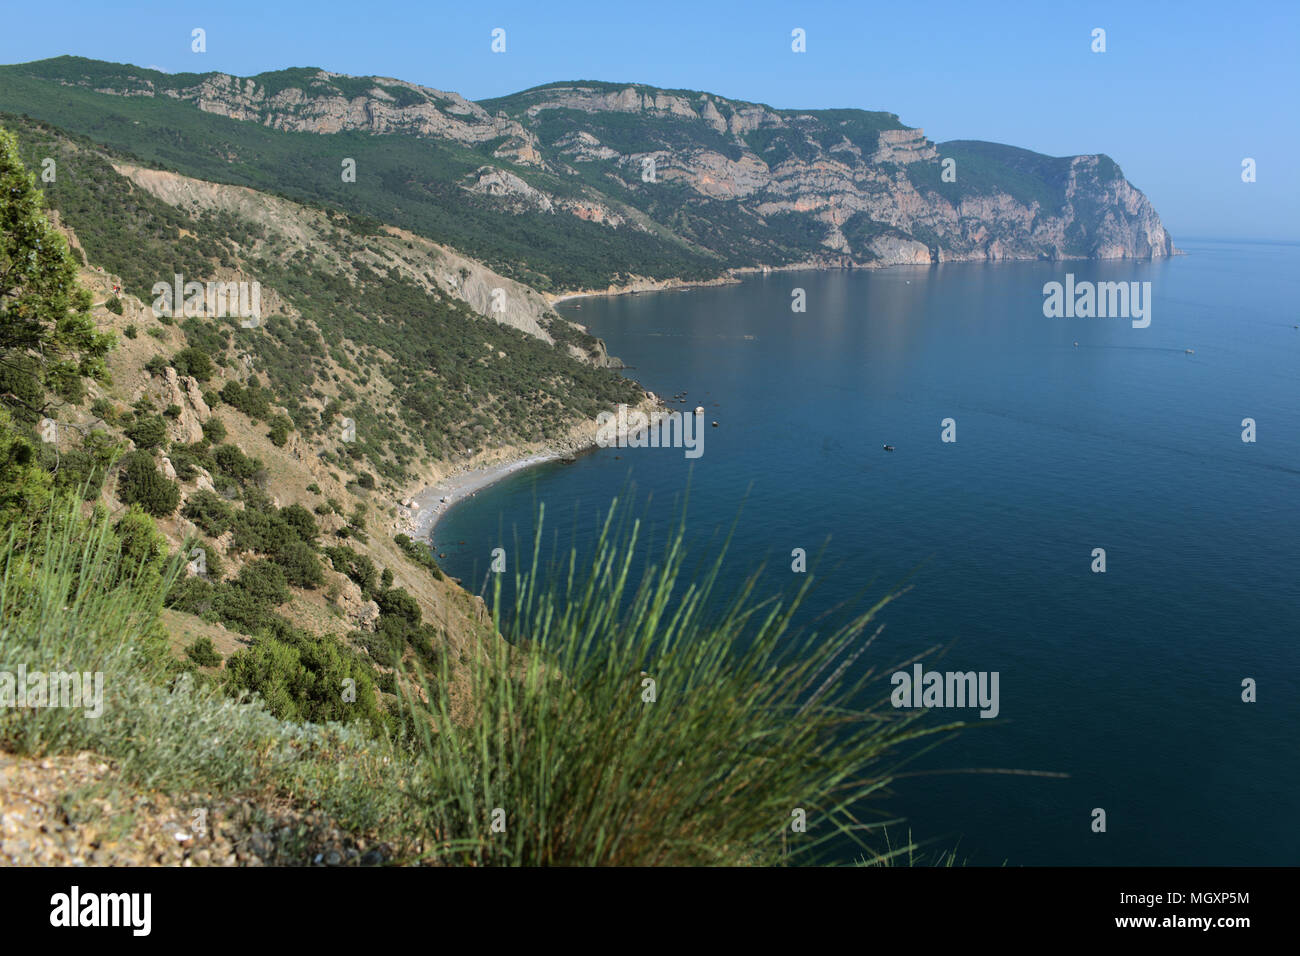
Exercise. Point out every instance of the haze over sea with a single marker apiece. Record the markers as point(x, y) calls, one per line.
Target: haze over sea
point(1129, 681)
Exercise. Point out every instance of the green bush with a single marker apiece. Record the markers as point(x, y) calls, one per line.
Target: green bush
point(194, 362)
point(279, 433)
point(232, 463)
point(253, 401)
point(114, 305)
point(214, 430)
point(203, 652)
point(356, 566)
point(301, 522)
point(302, 677)
point(419, 553)
point(140, 483)
point(300, 564)
point(193, 595)
point(265, 582)
point(209, 512)
point(397, 602)
point(104, 409)
point(147, 431)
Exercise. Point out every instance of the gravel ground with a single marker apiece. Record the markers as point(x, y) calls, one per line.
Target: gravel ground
point(76, 811)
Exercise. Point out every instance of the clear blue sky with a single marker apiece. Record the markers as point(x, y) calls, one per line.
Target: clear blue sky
point(1184, 92)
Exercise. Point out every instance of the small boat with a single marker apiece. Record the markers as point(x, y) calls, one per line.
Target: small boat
point(1189, 351)
point(888, 447)
point(1076, 345)
point(715, 424)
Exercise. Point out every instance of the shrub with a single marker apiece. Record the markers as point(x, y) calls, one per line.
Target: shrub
point(234, 464)
point(253, 401)
point(192, 594)
point(396, 602)
point(209, 512)
point(104, 409)
point(140, 483)
point(214, 430)
point(279, 433)
point(264, 582)
point(300, 564)
point(147, 431)
point(130, 331)
point(203, 652)
point(81, 470)
point(301, 522)
point(358, 567)
point(114, 305)
point(420, 554)
point(301, 677)
point(142, 547)
point(194, 362)
point(213, 567)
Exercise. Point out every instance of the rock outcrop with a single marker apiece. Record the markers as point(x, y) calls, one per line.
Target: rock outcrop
point(728, 180)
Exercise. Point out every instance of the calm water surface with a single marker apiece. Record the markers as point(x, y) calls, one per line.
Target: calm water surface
point(1128, 681)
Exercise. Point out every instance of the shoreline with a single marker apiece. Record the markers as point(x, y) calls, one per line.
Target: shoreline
point(421, 512)
point(736, 274)
point(462, 486)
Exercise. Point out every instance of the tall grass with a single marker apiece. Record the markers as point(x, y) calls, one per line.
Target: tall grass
point(625, 723)
point(572, 756)
point(73, 599)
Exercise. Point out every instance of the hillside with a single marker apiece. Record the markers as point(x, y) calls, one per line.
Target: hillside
point(586, 184)
point(378, 366)
point(209, 497)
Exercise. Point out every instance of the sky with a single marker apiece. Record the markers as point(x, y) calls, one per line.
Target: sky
point(1182, 95)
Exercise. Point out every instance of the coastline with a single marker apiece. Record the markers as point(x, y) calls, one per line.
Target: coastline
point(420, 512)
point(735, 274)
point(456, 488)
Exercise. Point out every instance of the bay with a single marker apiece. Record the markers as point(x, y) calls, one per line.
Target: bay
point(1127, 681)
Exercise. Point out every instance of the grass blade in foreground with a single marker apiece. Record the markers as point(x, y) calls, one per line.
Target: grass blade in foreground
point(627, 725)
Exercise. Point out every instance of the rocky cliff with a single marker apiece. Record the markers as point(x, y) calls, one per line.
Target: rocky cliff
point(669, 183)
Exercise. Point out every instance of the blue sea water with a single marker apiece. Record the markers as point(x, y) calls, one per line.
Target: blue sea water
point(1128, 681)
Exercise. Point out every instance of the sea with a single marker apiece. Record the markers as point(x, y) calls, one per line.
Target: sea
point(1105, 511)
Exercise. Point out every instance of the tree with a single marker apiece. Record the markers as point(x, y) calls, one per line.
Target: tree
point(48, 341)
point(141, 484)
point(147, 431)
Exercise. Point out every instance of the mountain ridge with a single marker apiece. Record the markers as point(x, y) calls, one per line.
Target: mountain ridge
point(662, 184)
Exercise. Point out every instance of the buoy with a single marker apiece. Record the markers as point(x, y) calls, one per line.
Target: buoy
point(699, 409)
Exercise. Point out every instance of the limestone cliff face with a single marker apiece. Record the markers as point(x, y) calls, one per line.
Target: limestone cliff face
point(746, 183)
